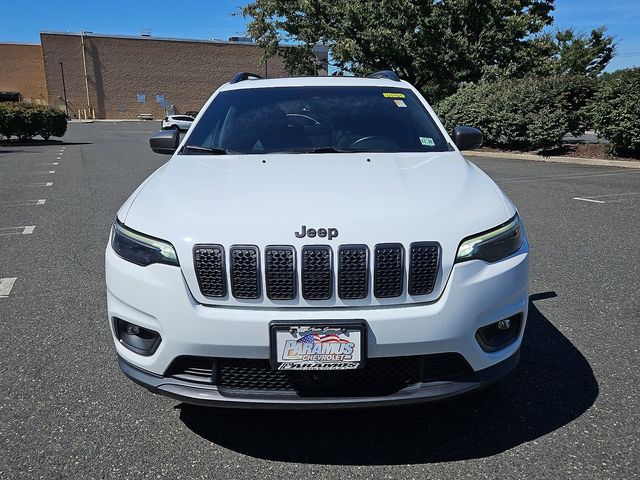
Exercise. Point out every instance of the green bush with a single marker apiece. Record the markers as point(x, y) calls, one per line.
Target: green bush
point(9, 119)
point(529, 113)
point(25, 121)
point(615, 110)
point(53, 123)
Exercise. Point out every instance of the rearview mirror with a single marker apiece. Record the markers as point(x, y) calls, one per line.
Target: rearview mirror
point(165, 141)
point(467, 138)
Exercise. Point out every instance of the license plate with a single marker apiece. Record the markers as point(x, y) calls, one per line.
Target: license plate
point(318, 346)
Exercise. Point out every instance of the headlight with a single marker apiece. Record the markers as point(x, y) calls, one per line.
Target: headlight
point(493, 245)
point(140, 249)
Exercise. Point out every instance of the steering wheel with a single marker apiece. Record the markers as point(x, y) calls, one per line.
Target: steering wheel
point(366, 139)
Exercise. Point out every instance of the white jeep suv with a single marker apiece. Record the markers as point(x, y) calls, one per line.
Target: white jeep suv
point(317, 242)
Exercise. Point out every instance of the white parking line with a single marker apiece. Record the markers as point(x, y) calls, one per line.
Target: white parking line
point(613, 195)
point(17, 203)
point(38, 172)
point(128, 131)
point(17, 230)
point(35, 184)
point(6, 284)
point(588, 200)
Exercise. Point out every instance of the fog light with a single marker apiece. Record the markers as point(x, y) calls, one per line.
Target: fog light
point(136, 338)
point(504, 324)
point(132, 329)
point(500, 334)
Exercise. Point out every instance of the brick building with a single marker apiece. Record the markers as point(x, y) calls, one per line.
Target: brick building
point(22, 71)
point(127, 76)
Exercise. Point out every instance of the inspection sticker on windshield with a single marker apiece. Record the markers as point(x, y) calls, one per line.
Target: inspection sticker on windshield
point(400, 103)
point(428, 141)
point(393, 95)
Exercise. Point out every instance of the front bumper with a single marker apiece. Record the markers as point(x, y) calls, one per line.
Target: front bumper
point(423, 392)
point(157, 297)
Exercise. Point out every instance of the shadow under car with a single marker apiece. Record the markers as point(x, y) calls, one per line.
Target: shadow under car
point(553, 385)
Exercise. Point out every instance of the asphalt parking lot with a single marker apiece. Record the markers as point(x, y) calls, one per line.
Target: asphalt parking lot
point(570, 410)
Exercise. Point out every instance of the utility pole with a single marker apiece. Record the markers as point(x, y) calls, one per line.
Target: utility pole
point(64, 90)
point(84, 64)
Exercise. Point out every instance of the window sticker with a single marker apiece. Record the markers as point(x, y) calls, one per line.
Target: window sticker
point(400, 103)
point(393, 95)
point(427, 141)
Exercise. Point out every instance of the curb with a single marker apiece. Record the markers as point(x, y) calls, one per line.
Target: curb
point(116, 120)
point(537, 158)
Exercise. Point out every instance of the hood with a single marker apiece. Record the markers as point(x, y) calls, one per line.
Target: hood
point(365, 198)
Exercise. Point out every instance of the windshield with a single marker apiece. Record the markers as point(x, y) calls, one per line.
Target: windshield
point(315, 119)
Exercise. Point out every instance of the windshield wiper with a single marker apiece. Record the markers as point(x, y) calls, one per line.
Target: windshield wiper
point(328, 150)
point(206, 150)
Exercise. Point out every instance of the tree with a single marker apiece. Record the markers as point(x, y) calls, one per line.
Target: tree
point(615, 110)
point(579, 54)
point(436, 45)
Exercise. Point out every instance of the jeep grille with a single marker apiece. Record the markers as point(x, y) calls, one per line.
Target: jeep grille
point(352, 271)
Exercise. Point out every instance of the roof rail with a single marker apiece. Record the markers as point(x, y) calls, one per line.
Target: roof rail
point(242, 76)
point(388, 74)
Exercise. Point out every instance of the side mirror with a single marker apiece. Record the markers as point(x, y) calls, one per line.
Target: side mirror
point(467, 138)
point(165, 141)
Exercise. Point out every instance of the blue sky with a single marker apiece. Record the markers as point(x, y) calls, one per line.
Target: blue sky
point(213, 19)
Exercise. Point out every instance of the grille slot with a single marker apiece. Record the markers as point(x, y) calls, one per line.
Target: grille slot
point(210, 270)
point(439, 366)
point(192, 369)
point(389, 270)
point(244, 271)
point(424, 259)
point(353, 272)
point(317, 279)
point(280, 272)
